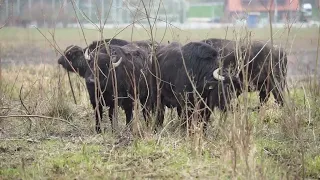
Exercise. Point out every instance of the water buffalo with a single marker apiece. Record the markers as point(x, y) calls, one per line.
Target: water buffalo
point(263, 67)
point(130, 64)
point(76, 59)
point(184, 69)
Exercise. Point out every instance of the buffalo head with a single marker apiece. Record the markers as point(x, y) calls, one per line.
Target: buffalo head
point(101, 63)
point(233, 80)
point(73, 60)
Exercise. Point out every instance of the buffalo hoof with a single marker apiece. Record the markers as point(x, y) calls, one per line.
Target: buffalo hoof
point(98, 130)
point(257, 108)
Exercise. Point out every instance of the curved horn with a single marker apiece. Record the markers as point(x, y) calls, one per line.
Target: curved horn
point(217, 76)
point(90, 80)
point(116, 64)
point(86, 54)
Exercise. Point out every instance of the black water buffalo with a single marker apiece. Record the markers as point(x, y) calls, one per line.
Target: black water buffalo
point(264, 67)
point(130, 63)
point(75, 59)
point(183, 69)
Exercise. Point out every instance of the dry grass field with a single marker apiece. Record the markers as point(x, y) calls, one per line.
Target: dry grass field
point(45, 135)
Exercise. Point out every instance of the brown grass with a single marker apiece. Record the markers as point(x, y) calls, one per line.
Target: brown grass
point(45, 135)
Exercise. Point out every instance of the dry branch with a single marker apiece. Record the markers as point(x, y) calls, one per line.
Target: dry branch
point(39, 116)
point(70, 83)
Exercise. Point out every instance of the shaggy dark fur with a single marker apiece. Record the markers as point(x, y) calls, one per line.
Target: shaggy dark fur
point(199, 60)
point(73, 60)
point(101, 46)
point(130, 74)
point(263, 74)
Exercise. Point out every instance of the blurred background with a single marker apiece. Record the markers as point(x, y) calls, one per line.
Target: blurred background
point(190, 13)
point(65, 22)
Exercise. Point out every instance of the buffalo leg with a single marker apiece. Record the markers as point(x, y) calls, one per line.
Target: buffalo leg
point(97, 106)
point(128, 111)
point(98, 117)
point(160, 118)
point(146, 115)
point(179, 111)
point(111, 111)
point(278, 95)
point(146, 106)
point(264, 96)
point(206, 116)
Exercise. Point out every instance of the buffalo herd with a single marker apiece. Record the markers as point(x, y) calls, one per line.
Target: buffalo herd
point(201, 74)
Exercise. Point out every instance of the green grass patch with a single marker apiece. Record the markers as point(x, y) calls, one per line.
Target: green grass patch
point(74, 35)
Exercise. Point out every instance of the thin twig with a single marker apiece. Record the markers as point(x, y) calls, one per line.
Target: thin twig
point(74, 97)
point(39, 116)
point(27, 110)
